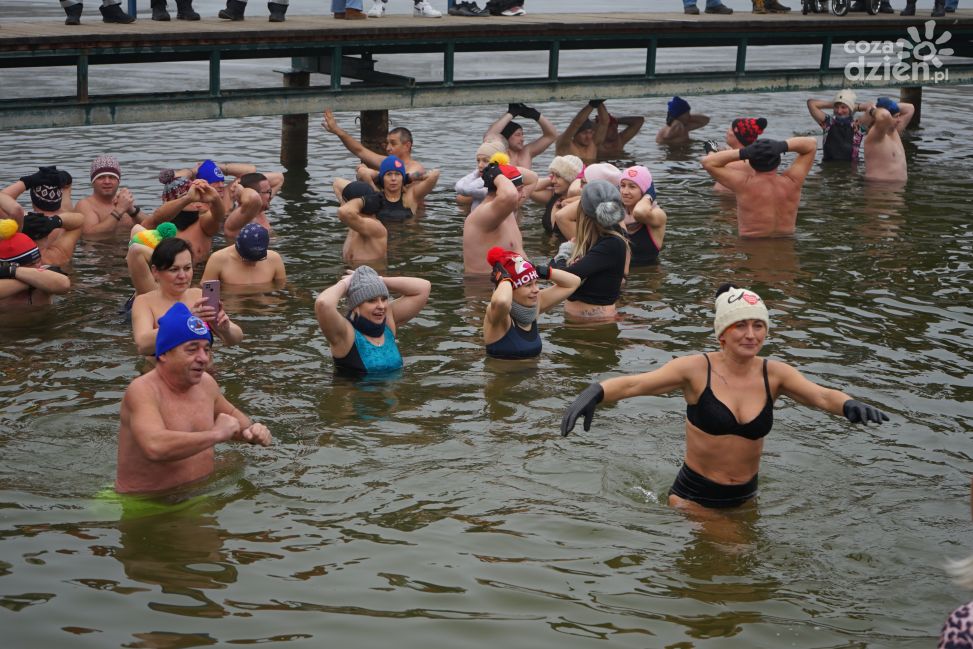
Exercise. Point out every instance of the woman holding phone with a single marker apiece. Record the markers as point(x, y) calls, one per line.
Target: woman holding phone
point(172, 268)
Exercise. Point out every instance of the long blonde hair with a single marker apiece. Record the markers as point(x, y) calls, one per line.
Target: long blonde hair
point(588, 233)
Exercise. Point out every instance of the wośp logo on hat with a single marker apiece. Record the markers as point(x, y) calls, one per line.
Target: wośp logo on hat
point(915, 59)
point(197, 326)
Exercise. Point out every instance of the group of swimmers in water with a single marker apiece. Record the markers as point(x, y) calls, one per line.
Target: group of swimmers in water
point(606, 219)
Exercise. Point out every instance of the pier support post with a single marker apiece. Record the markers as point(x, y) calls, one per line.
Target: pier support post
point(375, 129)
point(293, 128)
point(913, 95)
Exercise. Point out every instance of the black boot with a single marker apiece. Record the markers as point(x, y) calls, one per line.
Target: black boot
point(857, 5)
point(73, 14)
point(910, 8)
point(939, 8)
point(277, 12)
point(159, 10)
point(184, 10)
point(114, 14)
point(234, 10)
point(885, 8)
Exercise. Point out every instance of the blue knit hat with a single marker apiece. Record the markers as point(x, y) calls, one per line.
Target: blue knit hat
point(210, 172)
point(677, 107)
point(178, 326)
point(390, 164)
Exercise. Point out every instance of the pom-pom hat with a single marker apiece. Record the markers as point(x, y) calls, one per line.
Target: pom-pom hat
point(602, 201)
point(748, 129)
point(738, 304)
point(173, 186)
point(520, 270)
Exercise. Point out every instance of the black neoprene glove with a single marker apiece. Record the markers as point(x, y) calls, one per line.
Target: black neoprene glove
point(763, 149)
point(489, 176)
point(584, 405)
point(543, 271)
point(499, 274)
point(859, 413)
point(595, 103)
point(8, 270)
point(514, 109)
point(529, 112)
point(35, 179)
point(711, 146)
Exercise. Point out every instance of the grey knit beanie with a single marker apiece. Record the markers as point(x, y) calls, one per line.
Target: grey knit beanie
point(602, 201)
point(365, 284)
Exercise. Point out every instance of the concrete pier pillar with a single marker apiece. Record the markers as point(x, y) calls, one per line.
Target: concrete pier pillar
point(293, 128)
point(913, 95)
point(374, 129)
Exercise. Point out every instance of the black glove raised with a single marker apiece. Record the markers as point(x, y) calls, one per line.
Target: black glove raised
point(514, 109)
point(584, 405)
point(64, 179)
point(8, 270)
point(530, 113)
point(595, 103)
point(500, 274)
point(543, 271)
point(41, 177)
point(711, 146)
point(859, 413)
point(489, 176)
point(37, 226)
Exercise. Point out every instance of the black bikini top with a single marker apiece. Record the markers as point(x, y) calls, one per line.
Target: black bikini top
point(711, 415)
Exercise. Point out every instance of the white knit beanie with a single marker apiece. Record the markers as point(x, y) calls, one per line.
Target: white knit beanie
point(566, 166)
point(739, 304)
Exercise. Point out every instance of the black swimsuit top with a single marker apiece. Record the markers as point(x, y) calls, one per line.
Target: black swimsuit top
point(386, 210)
point(711, 415)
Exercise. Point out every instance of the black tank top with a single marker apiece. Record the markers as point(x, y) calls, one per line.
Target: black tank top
point(547, 220)
point(386, 210)
point(517, 343)
point(711, 415)
point(644, 250)
point(838, 141)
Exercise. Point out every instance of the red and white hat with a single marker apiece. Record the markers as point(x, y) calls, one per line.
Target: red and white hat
point(520, 270)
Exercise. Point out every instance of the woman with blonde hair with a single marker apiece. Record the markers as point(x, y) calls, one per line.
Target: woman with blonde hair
point(599, 253)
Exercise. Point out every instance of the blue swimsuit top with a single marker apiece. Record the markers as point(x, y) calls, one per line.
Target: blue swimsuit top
point(365, 356)
point(517, 343)
point(711, 415)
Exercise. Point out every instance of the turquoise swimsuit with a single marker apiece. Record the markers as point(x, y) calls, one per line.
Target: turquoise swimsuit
point(367, 357)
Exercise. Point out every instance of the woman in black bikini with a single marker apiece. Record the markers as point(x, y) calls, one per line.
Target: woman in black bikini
point(722, 389)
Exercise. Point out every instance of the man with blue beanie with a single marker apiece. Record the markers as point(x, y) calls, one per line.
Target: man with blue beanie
point(679, 122)
point(174, 415)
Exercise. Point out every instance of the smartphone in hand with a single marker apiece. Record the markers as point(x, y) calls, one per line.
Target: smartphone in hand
point(211, 292)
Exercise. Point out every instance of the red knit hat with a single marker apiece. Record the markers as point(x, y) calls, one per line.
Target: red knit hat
point(513, 174)
point(520, 270)
point(19, 249)
point(748, 129)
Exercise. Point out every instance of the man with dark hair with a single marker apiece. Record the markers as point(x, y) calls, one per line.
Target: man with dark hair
point(399, 144)
point(252, 195)
point(767, 201)
point(582, 137)
point(110, 207)
point(521, 153)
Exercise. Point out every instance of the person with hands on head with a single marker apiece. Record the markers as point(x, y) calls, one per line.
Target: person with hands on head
point(172, 269)
point(50, 223)
point(510, 324)
point(613, 145)
point(193, 206)
point(173, 416)
point(248, 261)
point(251, 194)
point(24, 280)
point(722, 457)
point(767, 201)
point(494, 221)
point(645, 220)
point(842, 135)
point(743, 131)
point(399, 195)
point(884, 154)
point(679, 122)
point(363, 340)
point(561, 184)
point(522, 154)
point(470, 190)
point(901, 111)
point(599, 255)
point(582, 137)
point(367, 238)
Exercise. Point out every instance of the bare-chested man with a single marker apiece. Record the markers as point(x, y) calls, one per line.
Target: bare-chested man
point(10, 209)
point(172, 268)
point(251, 194)
point(582, 137)
point(367, 238)
point(174, 415)
point(194, 207)
point(399, 144)
point(108, 208)
point(50, 223)
point(23, 280)
point(494, 221)
point(679, 122)
point(766, 201)
point(884, 154)
point(521, 154)
point(613, 146)
point(248, 262)
point(742, 131)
